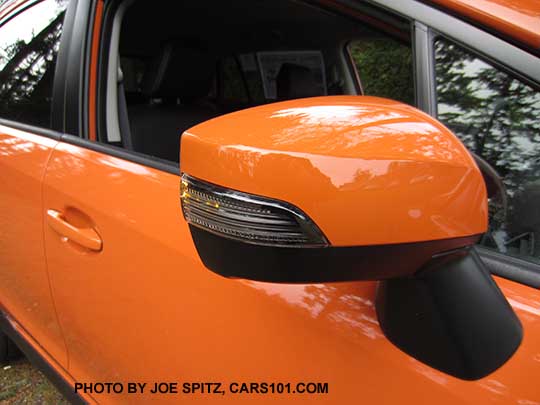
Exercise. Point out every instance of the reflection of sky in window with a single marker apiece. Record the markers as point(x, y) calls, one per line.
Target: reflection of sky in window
point(470, 69)
point(26, 26)
point(508, 144)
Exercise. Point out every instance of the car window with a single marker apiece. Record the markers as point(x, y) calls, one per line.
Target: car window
point(496, 116)
point(176, 76)
point(385, 67)
point(29, 44)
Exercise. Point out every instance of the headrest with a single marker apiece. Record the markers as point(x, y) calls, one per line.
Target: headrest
point(296, 81)
point(179, 71)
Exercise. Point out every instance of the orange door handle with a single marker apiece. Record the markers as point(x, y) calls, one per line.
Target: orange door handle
point(86, 237)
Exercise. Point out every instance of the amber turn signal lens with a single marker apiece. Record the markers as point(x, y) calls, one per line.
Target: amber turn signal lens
point(246, 217)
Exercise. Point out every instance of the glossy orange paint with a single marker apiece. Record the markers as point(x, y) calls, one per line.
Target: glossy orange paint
point(519, 20)
point(24, 283)
point(145, 309)
point(367, 170)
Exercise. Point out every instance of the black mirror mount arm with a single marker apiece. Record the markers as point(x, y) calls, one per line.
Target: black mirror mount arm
point(451, 315)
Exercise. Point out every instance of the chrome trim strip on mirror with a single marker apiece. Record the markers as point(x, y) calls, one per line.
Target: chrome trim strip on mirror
point(247, 217)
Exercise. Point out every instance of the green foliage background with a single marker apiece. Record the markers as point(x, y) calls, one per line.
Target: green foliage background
point(385, 68)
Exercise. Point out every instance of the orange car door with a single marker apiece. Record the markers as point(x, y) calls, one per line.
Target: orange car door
point(24, 285)
point(29, 44)
point(137, 305)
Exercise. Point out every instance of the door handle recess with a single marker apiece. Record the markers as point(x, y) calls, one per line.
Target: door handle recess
point(86, 237)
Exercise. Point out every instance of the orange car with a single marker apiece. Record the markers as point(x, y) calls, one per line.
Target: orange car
point(305, 201)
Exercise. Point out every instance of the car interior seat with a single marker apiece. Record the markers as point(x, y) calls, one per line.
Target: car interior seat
point(296, 81)
point(176, 85)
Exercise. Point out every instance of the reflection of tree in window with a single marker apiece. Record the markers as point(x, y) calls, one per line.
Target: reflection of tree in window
point(496, 116)
point(28, 71)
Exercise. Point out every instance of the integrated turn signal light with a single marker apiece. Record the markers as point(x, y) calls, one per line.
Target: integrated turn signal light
point(246, 217)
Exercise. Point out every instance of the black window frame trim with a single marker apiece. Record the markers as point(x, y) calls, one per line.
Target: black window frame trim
point(122, 153)
point(32, 129)
point(509, 267)
point(111, 150)
point(77, 66)
point(62, 63)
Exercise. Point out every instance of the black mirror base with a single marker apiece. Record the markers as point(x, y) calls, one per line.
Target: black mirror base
point(451, 316)
point(235, 259)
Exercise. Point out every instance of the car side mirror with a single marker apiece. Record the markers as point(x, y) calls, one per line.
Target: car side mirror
point(328, 189)
point(348, 188)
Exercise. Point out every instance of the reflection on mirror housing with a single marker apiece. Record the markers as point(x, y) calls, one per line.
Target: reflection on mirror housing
point(246, 217)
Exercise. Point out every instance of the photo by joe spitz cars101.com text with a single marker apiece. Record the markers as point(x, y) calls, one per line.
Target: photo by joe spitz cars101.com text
point(308, 201)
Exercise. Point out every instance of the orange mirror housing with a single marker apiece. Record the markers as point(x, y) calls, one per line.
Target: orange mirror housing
point(366, 170)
